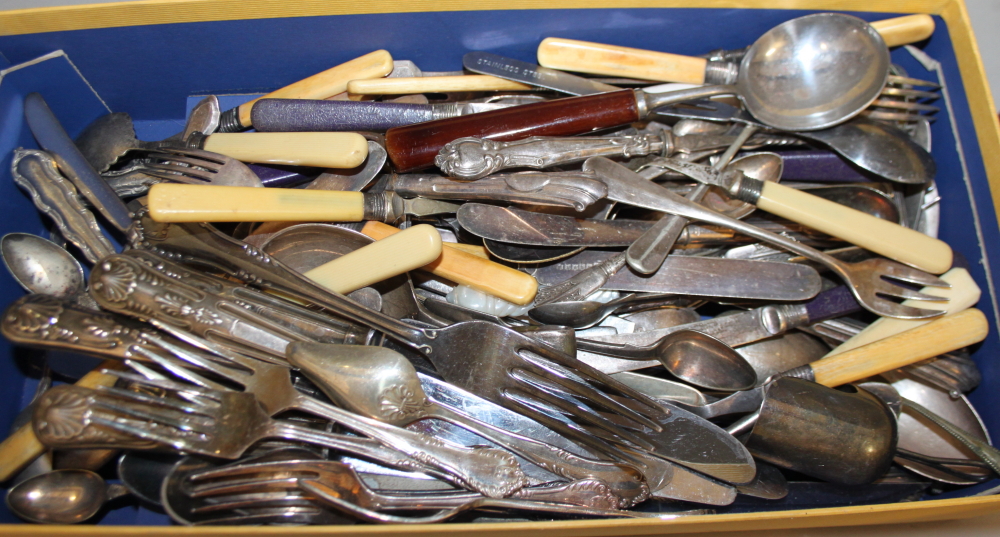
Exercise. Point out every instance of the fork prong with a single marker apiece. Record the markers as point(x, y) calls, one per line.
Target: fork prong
point(910, 294)
point(895, 116)
point(904, 105)
point(897, 80)
point(173, 160)
point(177, 354)
point(255, 500)
point(285, 480)
point(198, 154)
point(187, 423)
point(299, 515)
point(899, 311)
point(586, 392)
point(172, 364)
point(140, 432)
point(172, 170)
point(910, 93)
point(160, 383)
point(903, 273)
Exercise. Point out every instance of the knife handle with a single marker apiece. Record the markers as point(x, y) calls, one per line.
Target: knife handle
point(820, 166)
point(301, 115)
point(829, 304)
point(612, 60)
point(325, 84)
point(466, 268)
point(319, 149)
point(872, 233)
point(402, 252)
point(173, 202)
point(963, 293)
point(412, 147)
point(433, 84)
point(22, 446)
point(903, 30)
point(944, 334)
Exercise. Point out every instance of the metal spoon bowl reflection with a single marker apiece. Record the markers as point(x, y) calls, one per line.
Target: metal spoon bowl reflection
point(691, 356)
point(62, 496)
point(42, 266)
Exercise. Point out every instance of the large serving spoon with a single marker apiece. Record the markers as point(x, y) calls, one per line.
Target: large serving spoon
point(784, 83)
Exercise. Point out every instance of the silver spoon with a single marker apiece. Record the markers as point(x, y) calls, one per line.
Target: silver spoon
point(41, 266)
point(587, 313)
point(691, 356)
point(62, 496)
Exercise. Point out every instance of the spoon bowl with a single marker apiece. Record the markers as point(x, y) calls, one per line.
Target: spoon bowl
point(704, 361)
point(41, 266)
point(59, 497)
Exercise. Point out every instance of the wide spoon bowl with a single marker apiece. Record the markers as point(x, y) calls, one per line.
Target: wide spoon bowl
point(41, 266)
point(59, 497)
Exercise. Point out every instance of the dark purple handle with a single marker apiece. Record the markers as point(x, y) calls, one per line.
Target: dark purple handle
point(831, 303)
point(281, 176)
point(820, 166)
point(303, 115)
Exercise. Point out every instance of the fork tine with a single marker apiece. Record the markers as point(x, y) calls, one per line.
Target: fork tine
point(902, 292)
point(899, 311)
point(910, 93)
point(285, 516)
point(162, 383)
point(243, 486)
point(897, 271)
point(167, 160)
point(255, 500)
point(171, 364)
point(579, 411)
point(144, 413)
point(198, 154)
point(585, 392)
point(904, 105)
point(139, 432)
point(592, 375)
point(172, 170)
point(895, 116)
point(244, 468)
point(897, 80)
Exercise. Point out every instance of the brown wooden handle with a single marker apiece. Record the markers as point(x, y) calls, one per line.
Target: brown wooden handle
point(22, 447)
point(412, 147)
point(466, 268)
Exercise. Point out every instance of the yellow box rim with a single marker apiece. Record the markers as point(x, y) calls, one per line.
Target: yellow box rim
point(148, 12)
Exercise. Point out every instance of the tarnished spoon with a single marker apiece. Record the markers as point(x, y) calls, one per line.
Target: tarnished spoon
point(62, 496)
point(41, 266)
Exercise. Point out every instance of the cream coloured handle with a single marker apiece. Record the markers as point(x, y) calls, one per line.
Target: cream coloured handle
point(327, 83)
point(402, 252)
point(466, 268)
point(22, 446)
point(937, 337)
point(319, 149)
point(903, 30)
point(612, 60)
point(433, 84)
point(862, 229)
point(172, 202)
point(963, 293)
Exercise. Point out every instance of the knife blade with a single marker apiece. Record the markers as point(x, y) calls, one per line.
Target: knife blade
point(53, 138)
point(698, 276)
point(301, 115)
point(487, 63)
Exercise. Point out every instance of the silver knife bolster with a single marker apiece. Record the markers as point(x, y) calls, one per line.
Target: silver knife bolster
point(474, 158)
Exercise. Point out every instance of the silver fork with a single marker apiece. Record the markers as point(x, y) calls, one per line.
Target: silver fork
point(197, 167)
point(225, 424)
point(868, 280)
point(273, 388)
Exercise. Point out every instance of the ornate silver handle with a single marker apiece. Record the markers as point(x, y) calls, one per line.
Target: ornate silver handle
point(563, 189)
point(475, 158)
point(53, 194)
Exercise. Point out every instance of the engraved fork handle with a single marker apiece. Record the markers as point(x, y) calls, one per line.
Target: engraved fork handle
point(491, 472)
point(625, 482)
point(554, 188)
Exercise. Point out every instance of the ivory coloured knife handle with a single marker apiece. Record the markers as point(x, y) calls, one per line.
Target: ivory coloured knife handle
point(612, 60)
point(327, 83)
point(22, 447)
point(319, 149)
point(963, 294)
point(466, 268)
point(433, 84)
point(937, 337)
point(903, 30)
point(872, 233)
point(173, 202)
point(402, 252)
